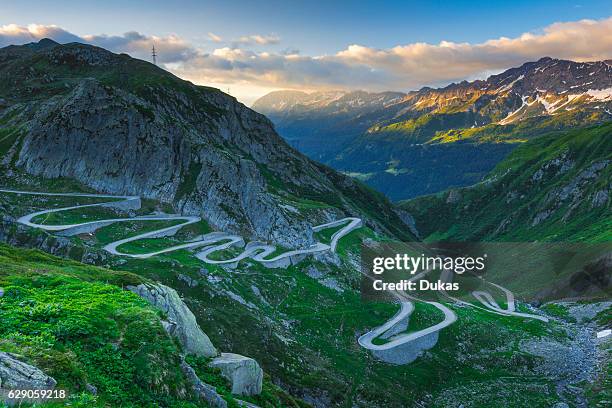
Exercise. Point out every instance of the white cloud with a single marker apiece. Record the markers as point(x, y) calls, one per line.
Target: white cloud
point(170, 48)
point(402, 67)
point(15, 34)
point(257, 39)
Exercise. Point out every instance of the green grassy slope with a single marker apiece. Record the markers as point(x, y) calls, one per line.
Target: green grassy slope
point(77, 324)
point(553, 188)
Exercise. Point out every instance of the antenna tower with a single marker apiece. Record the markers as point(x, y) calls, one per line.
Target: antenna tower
point(154, 54)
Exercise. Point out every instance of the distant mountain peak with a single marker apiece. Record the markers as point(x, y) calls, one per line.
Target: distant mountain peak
point(45, 42)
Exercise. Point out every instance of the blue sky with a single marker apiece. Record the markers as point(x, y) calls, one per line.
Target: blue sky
point(268, 30)
point(313, 27)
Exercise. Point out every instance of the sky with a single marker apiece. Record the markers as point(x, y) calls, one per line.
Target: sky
point(250, 48)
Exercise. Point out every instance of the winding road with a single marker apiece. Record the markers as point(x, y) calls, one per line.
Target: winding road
point(396, 345)
point(212, 242)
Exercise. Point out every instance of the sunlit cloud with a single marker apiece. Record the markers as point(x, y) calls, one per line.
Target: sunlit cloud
point(403, 67)
point(16, 34)
point(169, 49)
point(214, 37)
point(246, 70)
point(257, 39)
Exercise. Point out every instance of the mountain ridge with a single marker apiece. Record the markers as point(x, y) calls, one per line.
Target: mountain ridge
point(388, 142)
point(125, 126)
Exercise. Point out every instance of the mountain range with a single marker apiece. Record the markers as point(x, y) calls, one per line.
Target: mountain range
point(115, 332)
point(421, 142)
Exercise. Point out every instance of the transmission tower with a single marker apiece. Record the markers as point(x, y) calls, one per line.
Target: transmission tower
point(154, 54)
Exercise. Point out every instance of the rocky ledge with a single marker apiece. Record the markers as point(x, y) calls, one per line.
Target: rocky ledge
point(244, 373)
point(17, 375)
point(180, 323)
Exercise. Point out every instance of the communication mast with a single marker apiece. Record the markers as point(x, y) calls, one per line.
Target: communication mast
point(154, 54)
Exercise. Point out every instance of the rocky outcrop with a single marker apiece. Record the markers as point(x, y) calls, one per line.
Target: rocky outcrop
point(21, 236)
point(203, 391)
point(169, 140)
point(15, 374)
point(244, 373)
point(181, 323)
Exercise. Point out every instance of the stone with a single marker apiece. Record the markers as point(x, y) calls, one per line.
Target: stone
point(181, 323)
point(600, 198)
point(91, 389)
point(15, 374)
point(244, 373)
point(203, 391)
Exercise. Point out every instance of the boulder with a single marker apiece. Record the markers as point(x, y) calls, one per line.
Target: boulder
point(181, 323)
point(15, 374)
point(244, 373)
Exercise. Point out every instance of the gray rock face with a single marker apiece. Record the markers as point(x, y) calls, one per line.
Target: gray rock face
point(244, 373)
point(203, 391)
point(97, 135)
point(15, 374)
point(167, 139)
point(182, 323)
point(192, 283)
point(600, 198)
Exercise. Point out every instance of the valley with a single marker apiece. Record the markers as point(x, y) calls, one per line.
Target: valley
point(133, 201)
point(422, 142)
point(285, 315)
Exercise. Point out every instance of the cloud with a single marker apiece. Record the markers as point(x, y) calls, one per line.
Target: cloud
point(15, 34)
point(170, 48)
point(214, 37)
point(403, 67)
point(256, 39)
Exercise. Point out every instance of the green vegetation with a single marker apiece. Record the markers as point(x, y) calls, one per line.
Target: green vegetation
point(188, 181)
point(47, 77)
point(303, 332)
point(529, 182)
point(325, 235)
point(126, 229)
point(521, 131)
point(78, 325)
point(8, 137)
point(423, 128)
point(270, 397)
point(78, 215)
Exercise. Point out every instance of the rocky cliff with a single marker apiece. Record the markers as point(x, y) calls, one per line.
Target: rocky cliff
point(125, 126)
